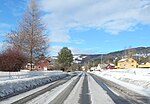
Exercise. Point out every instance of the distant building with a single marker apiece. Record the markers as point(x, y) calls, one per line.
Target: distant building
point(110, 66)
point(93, 68)
point(127, 63)
point(147, 65)
point(83, 68)
point(101, 66)
point(42, 64)
point(28, 66)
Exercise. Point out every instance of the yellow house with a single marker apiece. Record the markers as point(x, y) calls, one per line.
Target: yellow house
point(127, 63)
point(147, 65)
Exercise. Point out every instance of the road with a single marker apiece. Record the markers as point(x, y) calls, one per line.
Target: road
point(85, 88)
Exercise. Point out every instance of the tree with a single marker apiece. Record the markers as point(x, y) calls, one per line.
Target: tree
point(131, 52)
point(65, 58)
point(12, 60)
point(75, 67)
point(29, 37)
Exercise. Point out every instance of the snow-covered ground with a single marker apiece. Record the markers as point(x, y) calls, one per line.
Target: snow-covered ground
point(15, 82)
point(47, 97)
point(98, 95)
point(137, 79)
point(74, 96)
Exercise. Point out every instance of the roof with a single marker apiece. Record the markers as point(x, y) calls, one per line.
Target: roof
point(123, 60)
point(112, 64)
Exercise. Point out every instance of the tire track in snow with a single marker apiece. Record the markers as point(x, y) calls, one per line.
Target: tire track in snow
point(85, 95)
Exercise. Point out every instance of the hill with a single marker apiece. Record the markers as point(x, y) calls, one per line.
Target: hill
point(110, 57)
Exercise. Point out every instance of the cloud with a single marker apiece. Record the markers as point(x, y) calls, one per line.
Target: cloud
point(113, 16)
point(59, 36)
point(53, 50)
point(3, 45)
point(5, 25)
point(75, 50)
point(79, 41)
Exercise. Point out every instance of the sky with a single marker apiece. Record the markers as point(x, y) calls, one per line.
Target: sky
point(85, 26)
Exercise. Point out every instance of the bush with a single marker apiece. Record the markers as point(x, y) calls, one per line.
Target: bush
point(12, 60)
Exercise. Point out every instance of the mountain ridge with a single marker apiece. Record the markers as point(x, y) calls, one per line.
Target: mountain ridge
point(136, 52)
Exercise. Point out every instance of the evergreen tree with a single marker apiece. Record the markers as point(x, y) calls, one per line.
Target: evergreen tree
point(65, 58)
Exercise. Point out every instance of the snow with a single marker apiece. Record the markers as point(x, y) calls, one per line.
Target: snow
point(20, 96)
point(98, 95)
point(78, 58)
point(74, 96)
point(15, 82)
point(123, 60)
point(50, 95)
point(137, 80)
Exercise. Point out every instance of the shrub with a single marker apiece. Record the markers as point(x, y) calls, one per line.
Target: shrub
point(12, 60)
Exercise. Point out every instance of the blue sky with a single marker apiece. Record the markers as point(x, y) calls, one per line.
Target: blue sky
point(87, 26)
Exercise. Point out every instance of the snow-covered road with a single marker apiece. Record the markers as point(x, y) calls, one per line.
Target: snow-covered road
point(81, 89)
point(84, 88)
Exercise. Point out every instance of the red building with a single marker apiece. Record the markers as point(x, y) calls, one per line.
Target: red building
point(42, 64)
point(110, 66)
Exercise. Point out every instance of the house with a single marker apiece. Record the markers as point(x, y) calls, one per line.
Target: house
point(127, 63)
point(93, 68)
point(42, 63)
point(83, 68)
point(110, 66)
point(147, 65)
point(28, 66)
point(98, 67)
point(101, 66)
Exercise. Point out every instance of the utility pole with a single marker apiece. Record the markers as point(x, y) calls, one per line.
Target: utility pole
point(101, 60)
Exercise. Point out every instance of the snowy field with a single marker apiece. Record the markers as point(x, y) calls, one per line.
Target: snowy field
point(15, 82)
point(137, 79)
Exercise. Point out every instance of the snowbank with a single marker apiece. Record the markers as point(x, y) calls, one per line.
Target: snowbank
point(133, 79)
point(16, 82)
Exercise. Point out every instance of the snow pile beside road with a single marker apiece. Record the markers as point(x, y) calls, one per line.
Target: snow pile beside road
point(16, 82)
point(138, 79)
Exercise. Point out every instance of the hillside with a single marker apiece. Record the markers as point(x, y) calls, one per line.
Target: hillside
point(135, 52)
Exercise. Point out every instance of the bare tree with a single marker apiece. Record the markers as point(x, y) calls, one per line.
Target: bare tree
point(29, 36)
point(130, 52)
point(12, 59)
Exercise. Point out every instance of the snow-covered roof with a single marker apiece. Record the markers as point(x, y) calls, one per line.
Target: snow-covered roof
point(123, 60)
point(112, 64)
